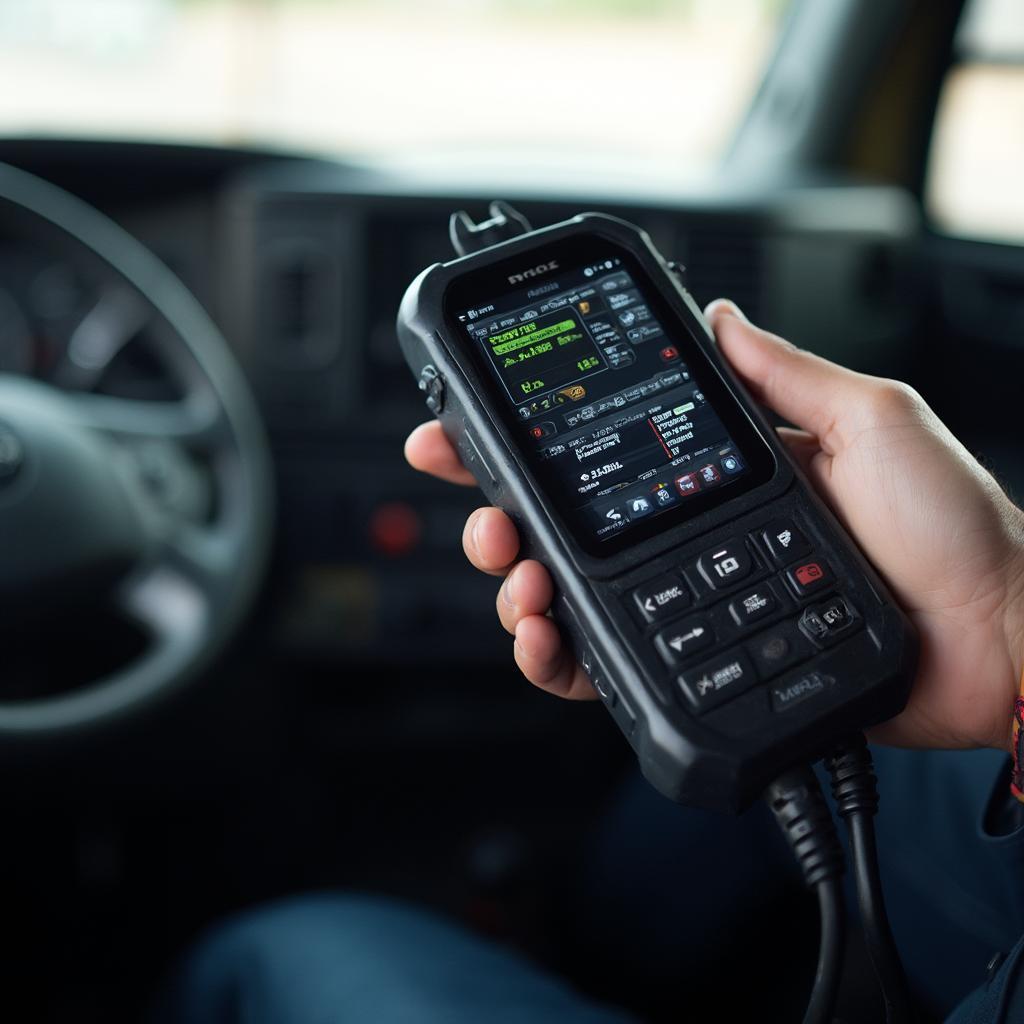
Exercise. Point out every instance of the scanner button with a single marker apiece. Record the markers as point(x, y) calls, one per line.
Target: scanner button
point(431, 383)
point(718, 681)
point(678, 642)
point(806, 577)
point(828, 621)
point(779, 649)
point(726, 564)
point(662, 598)
point(754, 605)
point(784, 541)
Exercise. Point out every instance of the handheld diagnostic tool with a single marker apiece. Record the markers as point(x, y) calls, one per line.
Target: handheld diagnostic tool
point(728, 623)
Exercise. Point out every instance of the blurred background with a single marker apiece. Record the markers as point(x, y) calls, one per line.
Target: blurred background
point(387, 79)
point(392, 78)
point(228, 674)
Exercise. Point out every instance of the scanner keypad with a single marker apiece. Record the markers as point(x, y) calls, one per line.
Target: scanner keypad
point(741, 614)
point(662, 598)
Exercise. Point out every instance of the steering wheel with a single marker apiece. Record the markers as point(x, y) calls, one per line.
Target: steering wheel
point(158, 509)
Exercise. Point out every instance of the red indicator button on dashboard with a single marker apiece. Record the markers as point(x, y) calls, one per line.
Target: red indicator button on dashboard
point(395, 528)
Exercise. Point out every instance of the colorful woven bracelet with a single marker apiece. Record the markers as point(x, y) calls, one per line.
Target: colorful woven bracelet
point(1017, 780)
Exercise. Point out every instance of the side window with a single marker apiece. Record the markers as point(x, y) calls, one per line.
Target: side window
point(975, 180)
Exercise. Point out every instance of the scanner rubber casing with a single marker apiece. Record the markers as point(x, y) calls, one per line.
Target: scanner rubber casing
point(723, 764)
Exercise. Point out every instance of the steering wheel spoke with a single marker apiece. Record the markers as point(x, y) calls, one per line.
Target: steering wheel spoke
point(201, 556)
point(198, 422)
point(169, 607)
point(118, 315)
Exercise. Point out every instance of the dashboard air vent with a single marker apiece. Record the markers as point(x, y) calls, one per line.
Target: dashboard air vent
point(724, 263)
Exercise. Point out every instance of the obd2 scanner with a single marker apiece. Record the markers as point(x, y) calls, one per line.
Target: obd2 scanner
point(730, 626)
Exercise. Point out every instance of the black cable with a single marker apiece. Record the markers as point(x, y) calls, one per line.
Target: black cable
point(799, 807)
point(828, 975)
point(856, 792)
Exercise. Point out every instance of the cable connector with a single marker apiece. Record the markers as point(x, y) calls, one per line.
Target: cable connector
point(854, 784)
point(855, 789)
point(798, 804)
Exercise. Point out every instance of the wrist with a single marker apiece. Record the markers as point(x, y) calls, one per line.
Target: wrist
point(1013, 625)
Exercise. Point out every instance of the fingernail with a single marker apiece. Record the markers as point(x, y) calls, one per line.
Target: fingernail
point(727, 306)
point(508, 590)
point(474, 540)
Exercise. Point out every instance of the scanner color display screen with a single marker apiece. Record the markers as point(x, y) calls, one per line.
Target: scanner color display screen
point(604, 398)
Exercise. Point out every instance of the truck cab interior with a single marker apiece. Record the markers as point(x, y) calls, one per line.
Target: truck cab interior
point(242, 654)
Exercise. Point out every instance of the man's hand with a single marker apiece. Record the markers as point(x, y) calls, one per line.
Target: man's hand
point(936, 526)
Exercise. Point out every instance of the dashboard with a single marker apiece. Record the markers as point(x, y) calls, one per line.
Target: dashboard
point(318, 268)
point(303, 263)
point(368, 727)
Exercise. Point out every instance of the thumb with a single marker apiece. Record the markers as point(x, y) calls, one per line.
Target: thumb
point(803, 388)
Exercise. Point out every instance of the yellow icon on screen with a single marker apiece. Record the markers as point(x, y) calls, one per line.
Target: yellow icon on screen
point(584, 307)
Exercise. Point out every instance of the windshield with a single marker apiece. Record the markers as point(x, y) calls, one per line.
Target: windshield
point(627, 81)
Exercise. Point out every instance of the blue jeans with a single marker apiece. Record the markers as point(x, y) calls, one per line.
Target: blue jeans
point(665, 888)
